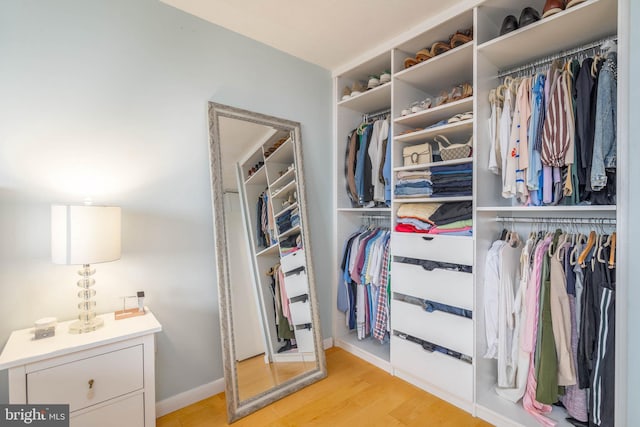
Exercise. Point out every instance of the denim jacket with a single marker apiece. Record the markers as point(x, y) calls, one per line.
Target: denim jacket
point(604, 144)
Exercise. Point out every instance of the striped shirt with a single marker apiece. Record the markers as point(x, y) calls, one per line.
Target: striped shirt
point(558, 126)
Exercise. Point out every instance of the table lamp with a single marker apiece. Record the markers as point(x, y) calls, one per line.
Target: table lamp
point(85, 235)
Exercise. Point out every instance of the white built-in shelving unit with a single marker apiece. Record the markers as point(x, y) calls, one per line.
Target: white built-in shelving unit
point(481, 62)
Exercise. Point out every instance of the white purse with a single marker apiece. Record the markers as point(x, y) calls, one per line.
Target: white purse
point(417, 154)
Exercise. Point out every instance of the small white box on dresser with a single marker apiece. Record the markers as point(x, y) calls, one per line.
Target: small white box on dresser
point(106, 376)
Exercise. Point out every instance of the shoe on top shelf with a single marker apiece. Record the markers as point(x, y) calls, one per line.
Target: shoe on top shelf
point(510, 23)
point(374, 81)
point(572, 3)
point(346, 93)
point(357, 88)
point(528, 16)
point(551, 7)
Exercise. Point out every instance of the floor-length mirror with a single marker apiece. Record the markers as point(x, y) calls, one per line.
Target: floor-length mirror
point(269, 316)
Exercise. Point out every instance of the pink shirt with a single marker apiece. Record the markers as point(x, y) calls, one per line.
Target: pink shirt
point(528, 342)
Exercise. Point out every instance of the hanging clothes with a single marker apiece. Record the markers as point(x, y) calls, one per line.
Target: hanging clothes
point(561, 137)
point(519, 357)
point(363, 293)
point(552, 332)
point(266, 223)
point(368, 164)
point(604, 144)
point(281, 303)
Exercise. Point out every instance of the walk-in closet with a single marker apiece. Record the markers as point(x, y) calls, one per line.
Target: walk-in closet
point(499, 138)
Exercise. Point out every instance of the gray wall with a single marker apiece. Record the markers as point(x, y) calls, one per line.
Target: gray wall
point(107, 99)
point(633, 303)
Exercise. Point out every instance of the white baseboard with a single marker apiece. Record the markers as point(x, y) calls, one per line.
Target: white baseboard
point(189, 397)
point(327, 343)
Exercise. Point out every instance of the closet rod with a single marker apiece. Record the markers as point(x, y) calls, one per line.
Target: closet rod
point(368, 116)
point(370, 216)
point(595, 221)
point(557, 55)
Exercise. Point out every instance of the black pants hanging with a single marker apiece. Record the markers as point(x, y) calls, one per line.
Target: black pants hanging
point(602, 396)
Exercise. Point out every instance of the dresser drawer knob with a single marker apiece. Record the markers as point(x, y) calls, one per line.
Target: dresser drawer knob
point(91, 391)
point(427, 238)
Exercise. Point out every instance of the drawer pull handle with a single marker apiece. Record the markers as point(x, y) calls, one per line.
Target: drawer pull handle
point(91, 393)
point(427, 238)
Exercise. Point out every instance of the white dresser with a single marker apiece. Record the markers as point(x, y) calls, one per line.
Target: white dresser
point(441, 374)
point(107, 377)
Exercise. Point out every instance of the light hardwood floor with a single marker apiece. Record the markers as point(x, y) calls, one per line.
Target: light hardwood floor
point(354, 394)
point(255, 376)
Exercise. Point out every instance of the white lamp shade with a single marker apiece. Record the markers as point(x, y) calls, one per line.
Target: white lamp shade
point(85, 234)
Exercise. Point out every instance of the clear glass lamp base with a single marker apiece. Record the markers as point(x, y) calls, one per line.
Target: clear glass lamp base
point(87, 320)
point(79, 326)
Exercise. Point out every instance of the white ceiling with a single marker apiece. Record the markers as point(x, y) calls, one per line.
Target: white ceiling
point(329, 33)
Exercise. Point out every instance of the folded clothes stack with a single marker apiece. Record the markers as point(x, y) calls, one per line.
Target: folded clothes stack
point(288, 220)
point(436, 218)
point(451, 181)
point(290, 245)
point(413, 184)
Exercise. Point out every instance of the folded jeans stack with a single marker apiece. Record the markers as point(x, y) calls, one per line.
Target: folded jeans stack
point(413, 184)
point(450, 181)
point(288, 220)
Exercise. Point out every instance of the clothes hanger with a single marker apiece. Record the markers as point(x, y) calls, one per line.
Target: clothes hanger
point(555, 243)
point(514, 239)
point(594, 66)
point(499, 95)
point(573, 257)
point(589, 245)
point(612, 254)
point(506, 85)
point(608, 47)
point(492, 96)
point(561, 245)
point(602, 243)
point(362, 127)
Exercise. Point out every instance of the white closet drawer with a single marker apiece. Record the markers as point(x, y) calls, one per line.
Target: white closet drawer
point(453, 249)
point(110, 375)
point(444, 329)
point(445, 286)
point(304, 340)
point(127, 412)
point(300, 312)
point(293, 261)
point(445, 372)
point(296, 284)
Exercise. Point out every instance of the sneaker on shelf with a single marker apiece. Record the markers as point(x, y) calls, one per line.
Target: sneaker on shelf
point(346, 93)
point(357, 88)
point(374, 81)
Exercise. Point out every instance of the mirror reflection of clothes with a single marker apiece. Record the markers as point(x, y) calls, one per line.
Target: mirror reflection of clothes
point(266, 225)
point(281, 304)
